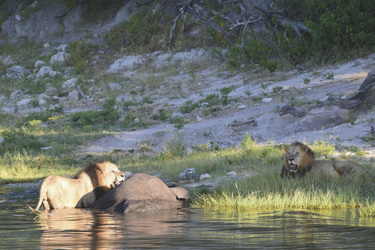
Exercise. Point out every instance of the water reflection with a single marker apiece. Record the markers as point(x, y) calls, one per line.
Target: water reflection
point(291, 229)
point(100, 230)
point(188, 228)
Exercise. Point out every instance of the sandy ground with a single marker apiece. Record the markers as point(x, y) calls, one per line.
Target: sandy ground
point(269, 126)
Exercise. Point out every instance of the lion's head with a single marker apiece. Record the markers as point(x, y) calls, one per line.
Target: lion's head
point(104, 175)
point(298, 158)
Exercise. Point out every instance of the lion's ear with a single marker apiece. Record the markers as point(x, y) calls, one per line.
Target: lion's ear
point(305, 148)
point(286, 148)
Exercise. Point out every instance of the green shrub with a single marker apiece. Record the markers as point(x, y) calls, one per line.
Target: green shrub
point(212, 100)
point(84, 118)
point(128, 119)
point(224, 95)
point(270, 65)
point(188, 107)
point(108, 114)
point(79, 55)
point(45, 115)
point(19, 139)
point(140, 32)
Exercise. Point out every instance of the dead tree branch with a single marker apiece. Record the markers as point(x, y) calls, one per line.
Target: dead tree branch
point(184, 7)
point(283, 21)
point(174, 27)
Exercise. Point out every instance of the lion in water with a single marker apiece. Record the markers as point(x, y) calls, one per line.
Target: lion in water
point(83, 189)
point(299, 160)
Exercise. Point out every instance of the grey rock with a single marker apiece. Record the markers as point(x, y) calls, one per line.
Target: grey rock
point(63, 48)
point(44, 96)
point(114, 86)
point(188, 174)
point(8, 61)
point(232, 173)
point(39, 64)
point(60, 57)
point(126, 62)
point(16, 72)
point(322, 118)
point(51, 91)
point(73, 96)
point(54, 73)
point(16, 95)
point(186, 57)
point(31, 77)
point(267, 100)
point(95, 90)
point(205, 176)
point(24, 103)
point(55, 99)
point(42, 102)
point(123, 98)
point(43, 71)
point(69, 84)
point(295, 111)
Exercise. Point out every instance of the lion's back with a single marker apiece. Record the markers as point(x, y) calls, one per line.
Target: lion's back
point(323, 168)
point(61, 192)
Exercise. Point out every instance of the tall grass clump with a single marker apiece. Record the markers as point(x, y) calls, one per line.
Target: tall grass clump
point(264, 189)
point(24, 167)
point(269, 191)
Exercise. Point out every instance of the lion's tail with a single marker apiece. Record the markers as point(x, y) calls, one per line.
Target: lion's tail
point(32, 209)
point(43, 192)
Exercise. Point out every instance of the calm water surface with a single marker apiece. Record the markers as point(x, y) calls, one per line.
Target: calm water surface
point(184, 229)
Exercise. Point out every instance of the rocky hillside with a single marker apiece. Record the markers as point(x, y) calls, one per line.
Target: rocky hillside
point(160, 96)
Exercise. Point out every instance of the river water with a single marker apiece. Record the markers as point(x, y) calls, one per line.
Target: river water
point(182, 229)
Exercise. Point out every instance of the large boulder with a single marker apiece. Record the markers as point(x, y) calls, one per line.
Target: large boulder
point(142, 193)
point(322, 118)
point(363, 101)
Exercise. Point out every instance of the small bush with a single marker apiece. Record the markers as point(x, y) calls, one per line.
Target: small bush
point(188, 107)
point(109, 113)
point(224, 95)
point(79, 55)
point(45, 115)
point(128, 119)
point(140, 32)
point(212, 100)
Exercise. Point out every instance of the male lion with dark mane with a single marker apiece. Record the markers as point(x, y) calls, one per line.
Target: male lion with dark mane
point(84, 188)
point(300, 160)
